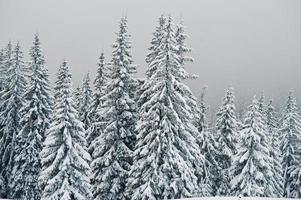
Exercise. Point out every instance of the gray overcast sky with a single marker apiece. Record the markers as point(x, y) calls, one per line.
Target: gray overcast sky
point(254, 45)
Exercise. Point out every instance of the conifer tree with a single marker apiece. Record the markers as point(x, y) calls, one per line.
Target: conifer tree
point(226, 126)
point(2, 78)
point(11, 103)
point(207, 145)
point(112, 157)
point(272, 127)
point(6, 61)
point(203, 109)
point(154, 49)
point(252, 166)
point(182, 48)
point(85, 102)
point(77, 97)
point(290, 131)
point(35, 121)
point(65, 169)
point(167, 155)
point(99, 85)
point(97, 101)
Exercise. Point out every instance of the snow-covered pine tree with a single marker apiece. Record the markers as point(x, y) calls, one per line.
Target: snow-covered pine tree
point(99, 85)
point(207, 141)
point(290, 136)
point(252, 166)
point(2, 78)
point(167, 155)
point(262, 108)
point(272, 127)
point(65, 169)
point(85, 102)
point(207, 145)
point(182, 48)
point(11, 103)
point(77, 97)
point(35, 121)
point(154, 50)
point(226, 126)
point(95, 110)
point(6, 62)
point(201, 124)
point(2, 82)
point(112, 157)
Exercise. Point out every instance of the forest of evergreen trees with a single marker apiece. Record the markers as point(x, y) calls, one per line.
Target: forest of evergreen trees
point(137, 139)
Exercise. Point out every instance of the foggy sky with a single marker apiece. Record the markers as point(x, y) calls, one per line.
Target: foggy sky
point(253, 45)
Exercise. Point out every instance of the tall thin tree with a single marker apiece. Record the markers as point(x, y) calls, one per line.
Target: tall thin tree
point(167, 154)
point(12, 101)
point(35, 121)
point(226, 126)
point(65, 170)
point(290, 131)
point(112, 158)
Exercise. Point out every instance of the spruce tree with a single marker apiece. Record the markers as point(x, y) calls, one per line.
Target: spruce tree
point(6, 61)
point(85, 102)
point(290, 131)
point(2, 71)
point(65, 169)
point(154, 49)
point(252, 166)
point(201, 124)
point(99, 85)
point(12, 101)
point(35, 121)
point(77, 97)
point(272, 127)
point(207, 145)
point(182, 48)
point(95, 110)
point(226, 126)
point(112, 157)
point(167, 155)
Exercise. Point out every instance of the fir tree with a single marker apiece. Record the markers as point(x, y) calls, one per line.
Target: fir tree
point(182, 48)
point(209, 150)
point(77, 97)
point(252, 165)
point(2, 72)
point(167, 155)
point(11, 103)
point(207, 144)
point(290, 131)
point(112, 157)
point(5, 62)
point(85, 102)
point(201, 124)
point(99, 85)
point(65, 169)
point(272, 127)
point(154, 49)
point(97, 101)
point(35, 121)
point(226, 126)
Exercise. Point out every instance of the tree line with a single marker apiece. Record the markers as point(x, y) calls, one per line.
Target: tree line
point(139, 139)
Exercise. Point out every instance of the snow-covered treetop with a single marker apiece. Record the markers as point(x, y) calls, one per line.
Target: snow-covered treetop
point(155, 43)
point(122, 47)
point(100, 74)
